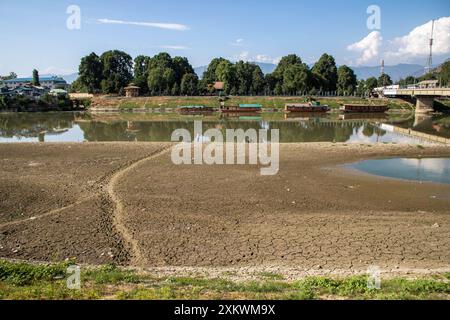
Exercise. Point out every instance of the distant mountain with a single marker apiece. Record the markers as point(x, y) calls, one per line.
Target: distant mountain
point(396, 72)
point(200, 70)
point(69, 77)
point(265, 68)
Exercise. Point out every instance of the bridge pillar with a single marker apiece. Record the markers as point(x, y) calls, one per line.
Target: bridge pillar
point(424, 104)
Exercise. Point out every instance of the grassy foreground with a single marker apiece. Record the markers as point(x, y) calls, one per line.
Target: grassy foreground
point(30, 281)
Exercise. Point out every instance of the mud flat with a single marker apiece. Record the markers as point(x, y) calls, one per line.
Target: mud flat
point(127, 203)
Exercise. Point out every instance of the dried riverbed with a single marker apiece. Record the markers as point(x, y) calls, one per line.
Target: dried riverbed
point(126, 203)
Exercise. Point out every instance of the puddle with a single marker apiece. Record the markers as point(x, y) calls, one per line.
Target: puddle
point(425, 169)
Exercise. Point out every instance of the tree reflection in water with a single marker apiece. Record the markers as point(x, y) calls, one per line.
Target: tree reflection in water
point(138, 128)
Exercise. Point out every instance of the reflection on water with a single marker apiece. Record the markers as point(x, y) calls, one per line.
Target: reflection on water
point(429, 169)
point(77, 127)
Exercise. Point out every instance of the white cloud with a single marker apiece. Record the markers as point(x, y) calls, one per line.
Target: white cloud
point(368, 47)
point(415, 45)
point(238, 43)
point(246, 56)
point(168, 26)
point(173, 47)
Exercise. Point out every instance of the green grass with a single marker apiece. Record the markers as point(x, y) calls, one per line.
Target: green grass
point(27, 281)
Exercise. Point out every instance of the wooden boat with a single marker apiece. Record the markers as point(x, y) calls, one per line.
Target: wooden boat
point(364, 108)
point(194, 109)
point(242, 108)
point(305, 107)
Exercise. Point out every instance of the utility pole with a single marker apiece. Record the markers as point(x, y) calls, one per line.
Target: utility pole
point(429, 66)
point(382, 73)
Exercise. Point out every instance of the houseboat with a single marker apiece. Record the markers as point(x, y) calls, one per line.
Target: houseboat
point(195, 109)
point(242, 108)
point(364, 108)
point(306, 107)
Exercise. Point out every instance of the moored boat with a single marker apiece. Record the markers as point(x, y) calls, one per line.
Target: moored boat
point(194, 109)
point(364, 108)
point(242, 108)
point(306, 107)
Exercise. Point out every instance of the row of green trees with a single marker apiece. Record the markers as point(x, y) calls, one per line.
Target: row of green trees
point(164, 75)
point(114, 70)
point(291, 77)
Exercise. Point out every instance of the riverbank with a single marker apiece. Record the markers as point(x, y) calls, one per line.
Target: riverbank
point(143, 103)
point(44, 103)
point(127, 204)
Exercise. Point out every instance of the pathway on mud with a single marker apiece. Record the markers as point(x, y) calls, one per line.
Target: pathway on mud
point(47, 214)
point(137, 258)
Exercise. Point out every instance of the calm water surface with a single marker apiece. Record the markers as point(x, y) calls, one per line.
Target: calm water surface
point(77, 127)
point(427, 169)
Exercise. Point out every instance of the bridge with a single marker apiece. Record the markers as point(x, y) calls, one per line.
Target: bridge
point(424, 96)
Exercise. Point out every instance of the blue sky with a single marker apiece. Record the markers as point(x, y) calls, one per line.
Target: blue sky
point(34, 33)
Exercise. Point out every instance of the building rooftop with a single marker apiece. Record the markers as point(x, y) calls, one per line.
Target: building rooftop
point(250, 106)
point(219, 85)
point(429, 82)
point(41, 79)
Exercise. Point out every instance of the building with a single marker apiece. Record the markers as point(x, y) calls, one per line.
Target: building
point(132, 91)
point(30, 91)
point(428, 84)
point(49, 83)
point(4, 91)
point(58, 93)
point(219, 86)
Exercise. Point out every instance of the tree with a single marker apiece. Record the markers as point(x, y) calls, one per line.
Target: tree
point(361, 88)
point(325, 73)
point(346, 83)
point(189, 84)
point(296, 79)
point(277, 83)
point(162, 60)
point(181, 66)
point(371, 83)
point(384, 80)
point(285, 62)
point(257, 86)
point(444, 75)
point(117, 71)
point(226, 72)
point(35, 81)
point(271, 82)
point(156, 83)
point(90, 74)
point(169, 80)
point(12, 75)
point(209, 76)
point(407, 81)
point(141, 68)
point(175, 90)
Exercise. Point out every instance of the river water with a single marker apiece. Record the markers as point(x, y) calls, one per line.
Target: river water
point(80, 127)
